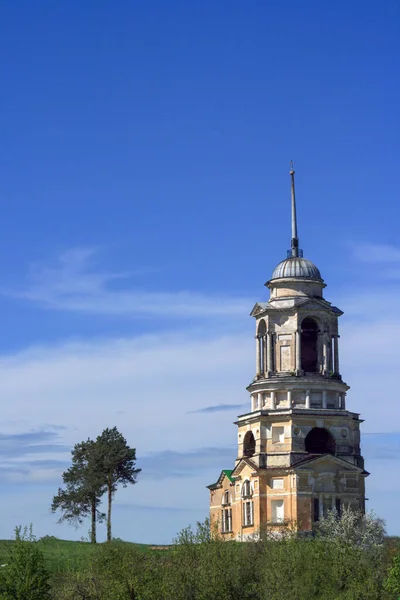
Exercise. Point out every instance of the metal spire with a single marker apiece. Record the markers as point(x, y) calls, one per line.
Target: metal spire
point(295, 240)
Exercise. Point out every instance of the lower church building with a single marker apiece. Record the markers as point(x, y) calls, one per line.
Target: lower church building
point(298, 446)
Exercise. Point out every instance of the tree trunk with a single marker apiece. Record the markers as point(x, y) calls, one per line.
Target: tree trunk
point(93, 532)
point(109, 487)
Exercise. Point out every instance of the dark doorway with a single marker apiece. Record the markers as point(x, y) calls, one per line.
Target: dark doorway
point(309, 345)
point(249, 445)
point(320, 441)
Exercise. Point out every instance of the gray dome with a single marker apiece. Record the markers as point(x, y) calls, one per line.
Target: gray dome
point(295, 266)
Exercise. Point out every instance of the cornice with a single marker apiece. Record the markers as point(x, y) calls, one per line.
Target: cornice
point(299, 302)
point(291, 382)
point(288, 413)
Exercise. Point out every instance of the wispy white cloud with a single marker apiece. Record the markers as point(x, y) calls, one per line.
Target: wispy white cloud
point(148, 383)
point(376, 253)
point(218, 408)
point(24, 456)
point(181, 463)
point(385, 257)
point(76, 284)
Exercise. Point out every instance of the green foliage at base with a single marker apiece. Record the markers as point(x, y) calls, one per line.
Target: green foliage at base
point(392, 583)
point(202, 566)
point(24, 575)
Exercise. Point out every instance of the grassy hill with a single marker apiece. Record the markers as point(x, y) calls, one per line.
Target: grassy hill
point(65, 555)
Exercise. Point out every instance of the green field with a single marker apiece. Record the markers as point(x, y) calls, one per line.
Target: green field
point(65, 555)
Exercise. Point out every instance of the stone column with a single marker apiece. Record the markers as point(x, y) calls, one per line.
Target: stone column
point(298, 351)
point(273, 354)
point(320, 506)
point(325, 355)
point(289, 398)
point(258, 355)
point(273, 399)
point(336, 354)
point(308, 399)
point(344, 400)
point(265, 352)
point(269, 353)
point(320, 352)
point(339, 400)
point(259, 400)
point(324, 399)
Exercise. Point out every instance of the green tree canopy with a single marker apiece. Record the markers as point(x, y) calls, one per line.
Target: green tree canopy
point(84, 488)
point(117, 462)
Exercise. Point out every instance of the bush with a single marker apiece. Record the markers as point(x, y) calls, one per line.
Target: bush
point(49, 539)
point(353, 527)
point(392, 583)
point(116, 572)
point(201, 565)
point(24, 575)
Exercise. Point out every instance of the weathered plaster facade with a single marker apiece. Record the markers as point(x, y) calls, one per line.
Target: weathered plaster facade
point(298, 446)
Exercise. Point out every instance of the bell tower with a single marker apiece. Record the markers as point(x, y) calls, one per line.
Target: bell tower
point(298, 446)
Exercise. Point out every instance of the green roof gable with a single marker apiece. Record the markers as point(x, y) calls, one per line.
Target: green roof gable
point(227, 473)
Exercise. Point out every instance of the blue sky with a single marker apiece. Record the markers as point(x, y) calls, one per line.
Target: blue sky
point(144, 188)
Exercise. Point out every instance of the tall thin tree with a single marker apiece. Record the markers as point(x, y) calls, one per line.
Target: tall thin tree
point(118, 463)
point(84, 488)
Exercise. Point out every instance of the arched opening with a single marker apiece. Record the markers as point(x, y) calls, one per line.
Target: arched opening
point(309, 345)
point(246, 489)
point(226, 513)
point(226, 498)
point(249, 445)
point(261, 331)
point(320, 441)
point(247, 504)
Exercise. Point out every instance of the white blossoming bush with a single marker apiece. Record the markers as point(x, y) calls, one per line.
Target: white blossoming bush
point(353, 527)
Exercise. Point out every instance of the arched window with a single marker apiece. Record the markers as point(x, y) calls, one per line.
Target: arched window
point(320, 441)
point(247, 506)
point(225, 498)
point(226, 513)
point(249, 445)
point(309, 345)
point(246, 489)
